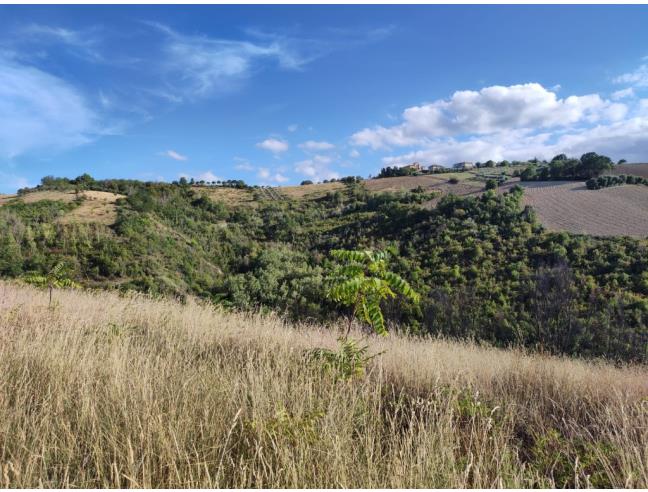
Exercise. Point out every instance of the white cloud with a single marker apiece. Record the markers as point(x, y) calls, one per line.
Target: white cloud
point(490, 110)
point(39, 111)
point(293, 128)
point(266, 175)
point(208, 176)
point(312, 145)
point(626, 139)
point(636, 78)
point(204, 176)
point(354, 153)
point(273, 145)
point(316, 168)
point(623, 94)
point(175, 155)
point(514, 123)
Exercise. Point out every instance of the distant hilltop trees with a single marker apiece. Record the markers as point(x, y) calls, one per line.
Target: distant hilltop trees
point(561, 167)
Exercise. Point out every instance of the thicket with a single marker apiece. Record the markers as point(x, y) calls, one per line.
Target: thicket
point(484, 267)
point(607, 181)
point(589, 165)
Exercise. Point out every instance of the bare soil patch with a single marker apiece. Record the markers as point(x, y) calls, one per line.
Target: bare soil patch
point(570, 206)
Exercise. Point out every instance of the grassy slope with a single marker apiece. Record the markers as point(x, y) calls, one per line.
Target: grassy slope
point(109, 391)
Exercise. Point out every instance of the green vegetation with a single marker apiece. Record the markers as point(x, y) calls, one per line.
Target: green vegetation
point(590, 165)
point(607, 181)
point(484, 267)
point(363, 281)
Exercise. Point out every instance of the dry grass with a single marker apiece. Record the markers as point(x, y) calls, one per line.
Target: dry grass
point(570, 206)
point(229, 196)
point(98, 206)
point(309, 192)
point(109, 391)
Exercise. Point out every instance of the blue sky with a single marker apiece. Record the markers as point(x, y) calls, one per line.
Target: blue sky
point(278, 94)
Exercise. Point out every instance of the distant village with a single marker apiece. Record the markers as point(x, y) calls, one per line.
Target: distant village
point(436, 168)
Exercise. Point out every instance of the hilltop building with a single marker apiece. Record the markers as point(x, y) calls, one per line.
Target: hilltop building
point(435, 168)
point(415, 166)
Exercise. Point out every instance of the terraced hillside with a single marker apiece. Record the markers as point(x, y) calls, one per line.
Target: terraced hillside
point(570, 206)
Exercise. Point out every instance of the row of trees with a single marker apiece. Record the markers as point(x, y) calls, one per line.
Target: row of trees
point(561, 167)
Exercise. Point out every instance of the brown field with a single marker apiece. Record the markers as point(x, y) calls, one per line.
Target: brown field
point(633, 169)
point(103, 390)
point(309, 192)
point(570, 206)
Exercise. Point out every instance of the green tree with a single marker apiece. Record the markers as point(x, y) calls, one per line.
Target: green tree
point(362, 281)
point(56, 278)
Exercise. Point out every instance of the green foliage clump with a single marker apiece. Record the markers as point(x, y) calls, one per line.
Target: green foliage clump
point(362, 281)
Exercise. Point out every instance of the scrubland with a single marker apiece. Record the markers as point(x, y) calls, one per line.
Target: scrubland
point(103, 390)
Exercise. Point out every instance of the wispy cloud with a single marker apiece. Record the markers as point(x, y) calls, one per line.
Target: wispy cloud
point(81, 43)
point(636, 78)
point(273, 145)
point(312, 145)
point(176, 156)
point(41, 111)
point(198, 66)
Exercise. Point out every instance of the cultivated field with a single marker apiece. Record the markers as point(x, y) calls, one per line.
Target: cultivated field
point(570, 206)
point(105, 390)
point(632, 169)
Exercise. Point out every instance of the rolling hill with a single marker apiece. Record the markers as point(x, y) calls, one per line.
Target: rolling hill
point(483, 263)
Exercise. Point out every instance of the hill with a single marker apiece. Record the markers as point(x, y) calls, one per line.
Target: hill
point(484, 265)
point(105, 390)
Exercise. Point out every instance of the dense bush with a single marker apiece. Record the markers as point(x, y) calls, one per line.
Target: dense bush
point(589, 165)
point(606, 181)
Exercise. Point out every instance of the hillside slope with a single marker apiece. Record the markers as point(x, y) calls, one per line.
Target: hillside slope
point(484, 266)
point(104, 390)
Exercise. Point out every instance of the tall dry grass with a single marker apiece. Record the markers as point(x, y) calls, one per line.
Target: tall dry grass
point(104, 391)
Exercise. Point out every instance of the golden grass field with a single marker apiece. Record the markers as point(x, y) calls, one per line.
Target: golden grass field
point(570, 206)
point(97, 206)
point(310, 192)
point(109, 391)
